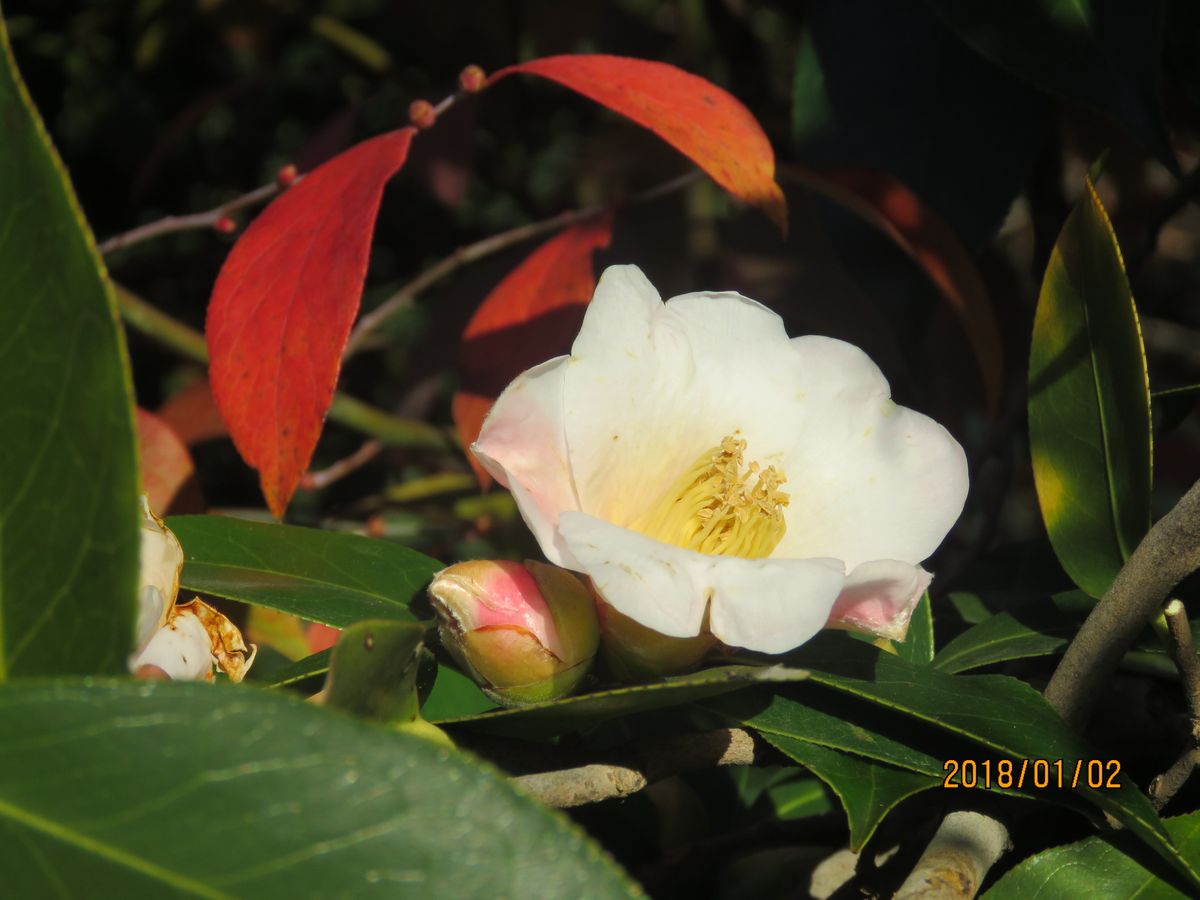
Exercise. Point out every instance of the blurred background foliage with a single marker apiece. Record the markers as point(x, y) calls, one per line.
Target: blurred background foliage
point(164, 107)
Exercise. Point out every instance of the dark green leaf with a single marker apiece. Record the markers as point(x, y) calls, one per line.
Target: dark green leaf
point(323, 576)
point(68, 469)
point(373, 671)
point(1037, 629)
point(1104, 54)
point(130, 790)
point(917, 647)
point(454, 696)
point(1089, 402)
point(993, 711)
point(585, 710)
point(867, 791)
point(314, 666)
point(1102, 867)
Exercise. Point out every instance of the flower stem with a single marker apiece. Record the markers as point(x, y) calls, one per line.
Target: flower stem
point(345, 410)
point(370, 322)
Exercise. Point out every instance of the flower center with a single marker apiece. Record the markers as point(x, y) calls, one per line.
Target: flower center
point(720, 507)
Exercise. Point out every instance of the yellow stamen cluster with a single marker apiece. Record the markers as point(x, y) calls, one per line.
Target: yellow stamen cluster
point(718, 506)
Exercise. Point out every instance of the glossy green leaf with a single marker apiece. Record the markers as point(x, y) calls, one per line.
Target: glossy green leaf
point(373, 670)
point(1101, 867)
point(1089, 402)
point(1036, 629)
point(131, 790)
point(917, 646)
point(311, 667)
point(993, 711)
point(585, 710)
point(454, 696)
point(322, 576)
point(1103, 54)
point(868, 791)
point(68, 456)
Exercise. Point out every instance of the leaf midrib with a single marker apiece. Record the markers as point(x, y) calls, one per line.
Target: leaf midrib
point(33, 821)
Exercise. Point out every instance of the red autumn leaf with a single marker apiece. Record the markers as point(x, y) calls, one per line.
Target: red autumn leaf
point(166, 463)
point(697, 118)
point(192, 414)
point(890, 206)
point(528, 318)
point(283, 305)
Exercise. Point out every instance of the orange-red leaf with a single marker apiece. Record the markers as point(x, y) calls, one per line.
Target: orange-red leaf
point(192, 414)
point(528, 318)
point(283, 305)
point(166, 463)
point(694, 116)
point(895, 210)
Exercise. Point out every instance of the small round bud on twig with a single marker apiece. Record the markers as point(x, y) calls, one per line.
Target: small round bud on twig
point(286, 175)
point(421, 114)
point(472, 80)
point(225, 225)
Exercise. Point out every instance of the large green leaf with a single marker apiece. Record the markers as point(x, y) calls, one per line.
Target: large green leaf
point(585, 710)
point(867, 791)
point(1101, 867)
point(323, 576)
point(1104, 54)
point(125, 790)
point(68, 464)
point(999, 713)
point(1089, 402)
point(1035, 629)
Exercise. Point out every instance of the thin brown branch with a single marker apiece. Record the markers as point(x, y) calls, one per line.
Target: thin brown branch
point(360, 337)
point(1182, 648)
point(315, 480)
point(671, 756)
point(1167, 785)
point(191, 222)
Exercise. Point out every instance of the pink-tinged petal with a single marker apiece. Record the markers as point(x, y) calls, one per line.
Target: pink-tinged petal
point(879, 598)
point(768, 605)
point(869, 479)
point(523, 446)
point(496, 593)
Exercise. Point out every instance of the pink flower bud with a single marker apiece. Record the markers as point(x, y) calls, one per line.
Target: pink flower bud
point(472, 80)
point(422, 114)
point(525, 632)
point(225, 225)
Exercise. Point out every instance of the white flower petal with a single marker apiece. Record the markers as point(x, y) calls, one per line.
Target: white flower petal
point(651, 386)
point(770, 605)
point(182, 650)
point(868, 479)
point(660, 586)
point(879, 598)
point(523, 446)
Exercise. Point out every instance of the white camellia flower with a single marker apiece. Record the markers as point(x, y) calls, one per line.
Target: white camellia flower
point(693, 460)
